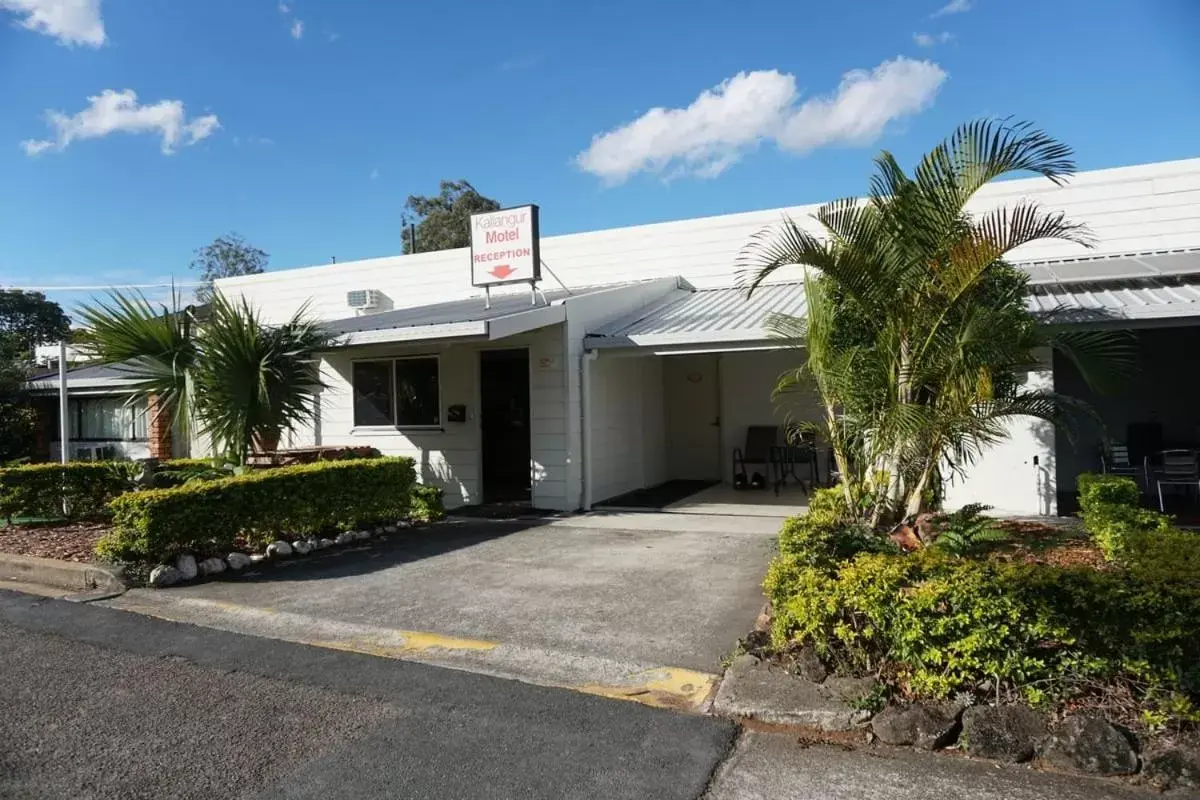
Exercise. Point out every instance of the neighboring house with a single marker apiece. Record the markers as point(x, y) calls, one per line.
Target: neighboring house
point(654, 364)
point(103, 421)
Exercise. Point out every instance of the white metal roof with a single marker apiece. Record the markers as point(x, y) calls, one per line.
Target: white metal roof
point(704, 317)
point(1118, 301)
point(1115, 267)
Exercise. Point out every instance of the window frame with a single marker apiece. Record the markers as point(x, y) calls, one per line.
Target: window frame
point(76, 413)
point(395, 424)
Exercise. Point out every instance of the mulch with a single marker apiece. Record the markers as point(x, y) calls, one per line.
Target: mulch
point(1054, 545)
point(65, 541)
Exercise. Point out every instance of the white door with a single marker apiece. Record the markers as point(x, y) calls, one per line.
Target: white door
point(692, 409)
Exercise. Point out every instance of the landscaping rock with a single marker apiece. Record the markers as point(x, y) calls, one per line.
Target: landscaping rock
point(324, 543)
point(850, 690)
point(314, 544)
point(211, 566)
point(301, 547)
point(186, 564)
point(929, 726)
point(164, 575)
point(1173, 769)
point(257, 558)
point(809, 665)
point(401, 524)
point(390, 529)
point(238, 561)
point(1005, 733)
point(362, 535)
point(759, 691)
point(279, 548)
point(344, 538)
point(1091, 745)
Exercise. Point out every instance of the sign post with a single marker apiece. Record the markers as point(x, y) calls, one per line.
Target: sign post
point(505, 248)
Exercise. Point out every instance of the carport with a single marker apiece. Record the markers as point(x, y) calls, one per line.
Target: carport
point(671, 390)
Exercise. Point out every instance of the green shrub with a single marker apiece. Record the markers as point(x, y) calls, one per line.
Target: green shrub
point(967, 531)
point(209, 516)
point(1111, 509)
point(37, 490)
point(427, 505)
point(936, 624)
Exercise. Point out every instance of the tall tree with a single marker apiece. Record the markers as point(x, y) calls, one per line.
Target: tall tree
point(442, 221)
point(26, 319)
point(227, 257)
point(918, 335)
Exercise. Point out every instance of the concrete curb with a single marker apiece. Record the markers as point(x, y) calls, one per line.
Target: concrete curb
point(66, 575)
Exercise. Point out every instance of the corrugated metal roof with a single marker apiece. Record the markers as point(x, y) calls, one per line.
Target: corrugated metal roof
point(1146, 298)
point(1129, 266)
point(86, 376)
point(703, 317)
point(450, 313)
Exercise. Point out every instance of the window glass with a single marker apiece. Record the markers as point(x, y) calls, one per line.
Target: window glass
point(101, 418)
point(418, 401)
point(373, 393)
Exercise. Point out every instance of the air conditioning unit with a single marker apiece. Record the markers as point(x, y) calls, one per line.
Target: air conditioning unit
point(364, 299)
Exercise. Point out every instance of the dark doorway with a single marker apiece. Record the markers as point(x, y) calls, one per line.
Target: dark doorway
point(504, 424)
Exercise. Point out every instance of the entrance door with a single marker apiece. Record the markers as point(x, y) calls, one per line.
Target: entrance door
point(692, 407)
point(504, 425)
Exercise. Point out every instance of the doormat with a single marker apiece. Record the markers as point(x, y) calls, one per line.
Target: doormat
point(657, 497)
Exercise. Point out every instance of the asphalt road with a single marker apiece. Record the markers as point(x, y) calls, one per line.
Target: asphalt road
point(100, 703)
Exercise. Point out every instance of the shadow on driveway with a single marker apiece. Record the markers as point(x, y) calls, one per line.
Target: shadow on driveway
point(382, 552)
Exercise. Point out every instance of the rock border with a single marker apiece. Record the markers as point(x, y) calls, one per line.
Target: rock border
point(761, 690)
point(185, 568)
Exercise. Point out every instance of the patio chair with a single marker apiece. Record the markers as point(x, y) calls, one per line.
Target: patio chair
point(1114, 460)
point(759, 450)
point(1178, 468)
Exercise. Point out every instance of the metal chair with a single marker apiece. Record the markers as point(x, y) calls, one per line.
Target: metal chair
point(1115, 460)
point(1179, 468)
point(759, 450)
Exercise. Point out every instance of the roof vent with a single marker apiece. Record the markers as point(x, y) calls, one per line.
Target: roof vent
point(364, 299)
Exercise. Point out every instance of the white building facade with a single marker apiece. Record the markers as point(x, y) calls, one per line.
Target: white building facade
point(641, 362)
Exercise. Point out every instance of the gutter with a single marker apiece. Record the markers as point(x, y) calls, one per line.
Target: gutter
point(585, 365)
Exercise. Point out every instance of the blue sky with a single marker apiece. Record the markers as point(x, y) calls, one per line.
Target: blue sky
point(304, 125)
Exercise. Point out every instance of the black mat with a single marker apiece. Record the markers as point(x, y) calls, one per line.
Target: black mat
point(659, 496)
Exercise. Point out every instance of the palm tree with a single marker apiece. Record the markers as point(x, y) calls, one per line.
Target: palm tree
point(917, 334)
point(240, 382)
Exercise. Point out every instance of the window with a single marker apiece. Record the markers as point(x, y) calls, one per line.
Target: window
point(401, 392)
point(107, 418)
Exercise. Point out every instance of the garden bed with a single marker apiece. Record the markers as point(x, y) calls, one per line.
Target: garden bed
point(1064, 623)
point(63, 540)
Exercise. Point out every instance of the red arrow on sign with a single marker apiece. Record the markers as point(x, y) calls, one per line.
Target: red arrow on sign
point(503, 271)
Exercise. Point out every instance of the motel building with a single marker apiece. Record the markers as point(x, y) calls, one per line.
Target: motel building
point(634, 361)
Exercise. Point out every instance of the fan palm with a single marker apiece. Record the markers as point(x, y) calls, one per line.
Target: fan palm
point(238, 381)
point(917, 333)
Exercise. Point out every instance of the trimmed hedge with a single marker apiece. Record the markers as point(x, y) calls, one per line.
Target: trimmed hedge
point(933, 625)
point(287, 502)
point(427, 504)
point(1111, 508)
point(37, 490)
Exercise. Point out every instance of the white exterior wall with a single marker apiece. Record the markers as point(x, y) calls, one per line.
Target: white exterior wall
point(1006, 477)
point(450, 458)
point(1142, 208)
point(626, 418)
point(747, 381)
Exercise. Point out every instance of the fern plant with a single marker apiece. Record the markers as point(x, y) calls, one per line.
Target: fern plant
point(967, 531)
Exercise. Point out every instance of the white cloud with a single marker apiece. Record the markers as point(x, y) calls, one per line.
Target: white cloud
point(930, 39)
point(69, 21)
point(953, 7)
point(724, 122)
point(297, 29)
point(284, 8)
point(114, 112)
point(375, 174)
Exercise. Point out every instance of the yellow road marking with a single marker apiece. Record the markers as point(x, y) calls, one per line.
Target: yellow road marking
point(411, 642)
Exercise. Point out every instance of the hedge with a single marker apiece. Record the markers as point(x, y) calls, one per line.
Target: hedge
point(427, 504)
point(1111, 507)
point(288, 502)
point(37, 490)
point(934, 625)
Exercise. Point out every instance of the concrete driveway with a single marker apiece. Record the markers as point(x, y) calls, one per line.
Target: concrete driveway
point(633, 605)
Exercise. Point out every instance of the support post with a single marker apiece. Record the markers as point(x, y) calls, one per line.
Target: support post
point(64, 421)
